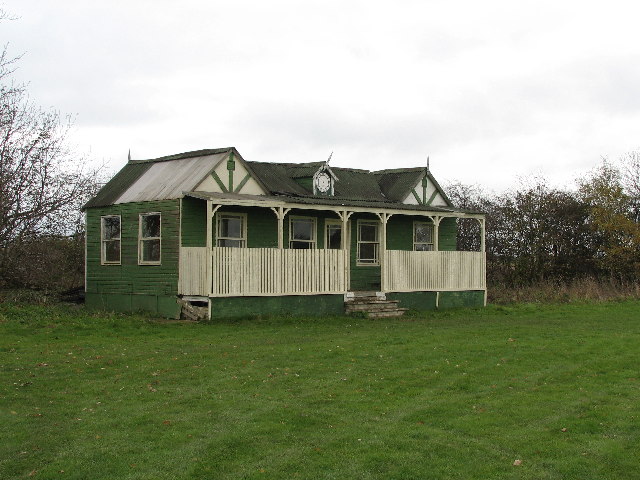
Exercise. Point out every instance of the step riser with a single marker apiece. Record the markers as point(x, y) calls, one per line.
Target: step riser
point(371, 310)
point(385, 314)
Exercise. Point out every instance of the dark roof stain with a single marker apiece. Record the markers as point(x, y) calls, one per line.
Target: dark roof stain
point(112, 190)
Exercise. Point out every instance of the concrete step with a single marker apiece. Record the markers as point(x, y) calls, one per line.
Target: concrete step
point(391, 313)
point(372, 300)
point(369, 307)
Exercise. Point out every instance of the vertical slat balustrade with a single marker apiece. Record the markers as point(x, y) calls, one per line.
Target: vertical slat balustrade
point(270, 271)
point(407, 271)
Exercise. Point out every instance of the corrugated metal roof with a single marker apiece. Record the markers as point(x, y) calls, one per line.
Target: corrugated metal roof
point(168, 179)
point(110, 192)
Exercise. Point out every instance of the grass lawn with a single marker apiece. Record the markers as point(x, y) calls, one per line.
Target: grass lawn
point(458, 394)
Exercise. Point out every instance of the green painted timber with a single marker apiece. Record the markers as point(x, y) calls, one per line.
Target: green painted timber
point(320, 217)
point(194, 222)
point(163, 305)
point(447, 234)
point(241, 307)
point(363, 277)
point(262, 226)
point(115, 286)
point(219, 181)
point(400, 231)
point(431, 198)
point(414, 300)
point(242, 183)
point(305, 182)
point(415, 195)
point(427, 300)
point(467, 298)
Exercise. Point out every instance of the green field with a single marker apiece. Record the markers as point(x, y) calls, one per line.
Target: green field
point(458, 394)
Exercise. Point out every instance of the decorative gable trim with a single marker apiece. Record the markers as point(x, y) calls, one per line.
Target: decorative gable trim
point(426, 192)
point(225, 173)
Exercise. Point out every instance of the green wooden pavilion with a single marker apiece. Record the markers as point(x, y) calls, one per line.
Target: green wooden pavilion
point(207, 231)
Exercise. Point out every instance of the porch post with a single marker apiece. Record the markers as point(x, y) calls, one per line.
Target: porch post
point(436, 232)
point(280, 216)
point(280, 213)
point(482, 234)
point(344, 216)
point(209, 244)
point(483, 250)
point(384, 217)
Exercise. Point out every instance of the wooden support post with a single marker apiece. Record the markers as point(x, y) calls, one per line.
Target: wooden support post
point(345, 244)
point(384, 218)
point(436, 232)
point(211, 211)
point(482, 234)
point(280, 213)
point(209, 244)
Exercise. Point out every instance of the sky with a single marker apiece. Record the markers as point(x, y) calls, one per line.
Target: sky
point(491, 91)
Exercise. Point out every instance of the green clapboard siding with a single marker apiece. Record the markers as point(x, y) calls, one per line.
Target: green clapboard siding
point(262, 226)
point(320, 217)
point(194, 222)
point(238, 307)
point(468, 298)
point(363, 277)
point(414, 300)
point(447, 234)
point(117, 285)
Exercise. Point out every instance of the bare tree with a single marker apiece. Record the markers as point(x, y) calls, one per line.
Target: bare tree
point(42, 182)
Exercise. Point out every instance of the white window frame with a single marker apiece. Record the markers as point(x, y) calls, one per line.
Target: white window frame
point(433, 232)
point(332, 223)
point(103, 242)
point(145, 239)
point(376, 261)
point(243, 228)
point(314, 231)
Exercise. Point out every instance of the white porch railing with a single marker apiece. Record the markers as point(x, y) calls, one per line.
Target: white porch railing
point(408, 271)
point(272, 271)
point(193, 277)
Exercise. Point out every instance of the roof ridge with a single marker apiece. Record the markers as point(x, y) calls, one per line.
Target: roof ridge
point(178, 156)
point(399, 170)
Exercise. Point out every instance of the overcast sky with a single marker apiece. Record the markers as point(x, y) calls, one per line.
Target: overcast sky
point(489, 90)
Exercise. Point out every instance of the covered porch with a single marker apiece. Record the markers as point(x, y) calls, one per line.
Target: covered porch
point(286, 269)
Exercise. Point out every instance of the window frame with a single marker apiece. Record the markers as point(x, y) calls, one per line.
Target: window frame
point(146, 239)
point(243, 228)
point(359, 242)
point(103, 241)
point(333, 223)
point(433, 232)
point(314, 231)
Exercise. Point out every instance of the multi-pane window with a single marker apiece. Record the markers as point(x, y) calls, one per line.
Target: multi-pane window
point(302, 232)
point(422, 236)
point(232, 230)
point(368, 242)
point(149, 239)
point(333, 232)
point(111, 238)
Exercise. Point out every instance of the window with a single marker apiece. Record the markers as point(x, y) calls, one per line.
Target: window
point(231, 230)
point(368, 242)
point(302, 232)
point(333, 234)
point(422, 236)
point(149, 239)
point(110, 235)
